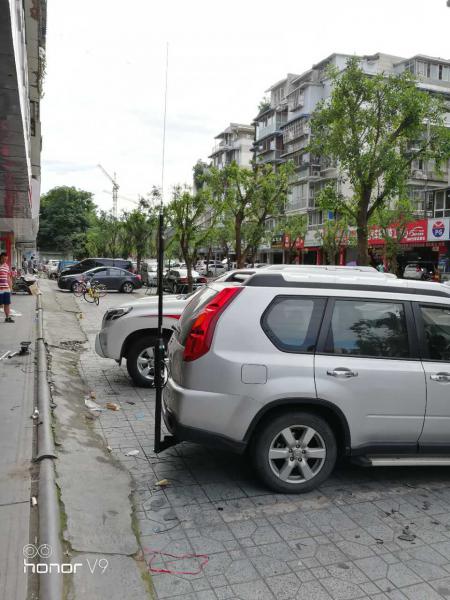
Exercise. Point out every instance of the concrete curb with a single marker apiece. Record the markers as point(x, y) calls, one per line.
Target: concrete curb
point(50, 578)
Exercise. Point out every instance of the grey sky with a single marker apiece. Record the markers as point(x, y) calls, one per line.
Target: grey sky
point(105, 74)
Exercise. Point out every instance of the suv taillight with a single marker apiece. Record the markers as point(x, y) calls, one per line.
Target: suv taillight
point(199, 340)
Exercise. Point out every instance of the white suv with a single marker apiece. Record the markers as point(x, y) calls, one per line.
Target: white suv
point(303, 367)
point(129, 330)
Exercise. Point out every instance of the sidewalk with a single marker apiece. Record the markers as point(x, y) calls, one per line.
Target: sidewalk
point(16, 443)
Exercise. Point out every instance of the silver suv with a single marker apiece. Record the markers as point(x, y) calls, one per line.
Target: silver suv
point(300, 368)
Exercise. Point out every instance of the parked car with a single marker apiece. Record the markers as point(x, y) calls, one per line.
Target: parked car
point(52, 268)
point(112, 278)
point(91, 263)
point(176, 280)
point(64, 264)
point(422, 270)
point(303, 368)
point(129, 331)
point(210, 269)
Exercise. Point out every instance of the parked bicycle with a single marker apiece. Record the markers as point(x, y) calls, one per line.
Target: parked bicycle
point(91, 292)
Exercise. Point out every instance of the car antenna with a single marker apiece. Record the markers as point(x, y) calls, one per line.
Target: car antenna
point(159, 352)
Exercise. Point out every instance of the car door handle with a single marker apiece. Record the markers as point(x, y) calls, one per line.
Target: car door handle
point(441, 377)
point(342, 372)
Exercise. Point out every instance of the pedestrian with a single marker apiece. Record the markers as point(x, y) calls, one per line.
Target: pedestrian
point(24, 265)
point(5, 287)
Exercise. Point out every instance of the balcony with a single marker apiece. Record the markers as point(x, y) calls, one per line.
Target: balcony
point(225, 147)
point(263, 131)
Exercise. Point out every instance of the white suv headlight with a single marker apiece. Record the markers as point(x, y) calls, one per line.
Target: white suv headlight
point(115, 313)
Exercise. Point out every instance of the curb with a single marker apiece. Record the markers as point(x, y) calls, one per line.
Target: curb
point(50, 581)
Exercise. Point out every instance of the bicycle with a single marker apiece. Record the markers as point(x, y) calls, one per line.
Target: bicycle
point(91, 292)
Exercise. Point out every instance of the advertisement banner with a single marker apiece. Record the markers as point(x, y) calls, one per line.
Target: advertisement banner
point(416, 233)
point(439, 229)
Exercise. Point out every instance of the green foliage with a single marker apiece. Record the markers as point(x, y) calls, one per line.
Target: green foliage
point(200, 170)
point(137, 231)
point(248, 197)
point(374, 126)
point(264, 105)
point(66, 216)
point(295, 226)
point(105, 236)
point(393, 221)
point(184, 213)
point(333, 234)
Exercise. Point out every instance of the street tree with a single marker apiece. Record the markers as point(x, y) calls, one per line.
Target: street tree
point(333, 235)
point(248, 198)
point(392, 222)
point(66, 215)
point(138, 227)
point(185, 213)
point(105, 236)
point(374, 127)
point(294, 227)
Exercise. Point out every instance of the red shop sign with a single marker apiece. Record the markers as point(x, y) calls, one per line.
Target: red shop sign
point(299, 243)
point(416, 233)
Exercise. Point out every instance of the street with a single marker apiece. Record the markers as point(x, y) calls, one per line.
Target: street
point(214, 531)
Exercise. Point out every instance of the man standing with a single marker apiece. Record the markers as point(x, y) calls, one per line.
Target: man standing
point(5, 287)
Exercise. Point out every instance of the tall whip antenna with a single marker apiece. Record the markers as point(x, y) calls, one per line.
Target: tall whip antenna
point(160, 351)
point(164, 128)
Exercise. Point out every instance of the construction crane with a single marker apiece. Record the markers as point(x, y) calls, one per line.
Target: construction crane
point(125, 198)
point(115, 188)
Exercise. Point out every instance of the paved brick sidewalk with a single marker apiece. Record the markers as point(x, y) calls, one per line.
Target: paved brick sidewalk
point(340, 542)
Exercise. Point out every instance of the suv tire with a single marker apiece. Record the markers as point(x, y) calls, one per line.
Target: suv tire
point(139, 351)
point(300, 467)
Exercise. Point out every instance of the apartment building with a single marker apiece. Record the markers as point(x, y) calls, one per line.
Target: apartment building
point(283, 132)
point(234, 144)
point(22, 48)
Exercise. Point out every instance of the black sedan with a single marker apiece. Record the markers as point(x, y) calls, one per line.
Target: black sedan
point(112, 278)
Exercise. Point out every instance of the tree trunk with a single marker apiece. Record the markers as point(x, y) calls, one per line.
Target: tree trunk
point(238, 241)
point(362, 234)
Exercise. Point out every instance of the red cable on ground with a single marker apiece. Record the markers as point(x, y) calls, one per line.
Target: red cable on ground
point(155, 553)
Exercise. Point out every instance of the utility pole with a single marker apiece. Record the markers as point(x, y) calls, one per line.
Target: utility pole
point(115, 188)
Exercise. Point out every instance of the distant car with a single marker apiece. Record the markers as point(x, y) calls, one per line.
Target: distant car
point(112, 278)
point(91, 263)
point(176, 280)
point(423, 270)
point(65, 264)
point(211, 268)
point(52, 268)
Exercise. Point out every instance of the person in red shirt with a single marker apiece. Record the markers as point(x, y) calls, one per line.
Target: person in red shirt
point(5, 287)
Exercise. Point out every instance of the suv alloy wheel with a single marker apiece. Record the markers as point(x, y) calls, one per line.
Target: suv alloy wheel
point(295, 452)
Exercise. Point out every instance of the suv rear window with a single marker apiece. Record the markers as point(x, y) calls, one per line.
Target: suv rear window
point(292, 322)
point(193, 309)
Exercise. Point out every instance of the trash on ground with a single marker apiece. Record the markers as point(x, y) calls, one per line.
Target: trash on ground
point(406, 535)
point(109, 448)
point(132, 453)
point(33, 500)
point(130, 402)
point(199, 562)
point(112, 406)
point(91, 405)
point(163, 483)
point(35, 414)
point(92, 394)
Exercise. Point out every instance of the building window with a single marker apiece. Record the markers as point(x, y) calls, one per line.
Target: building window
point(442, 204)
point(315, 218)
